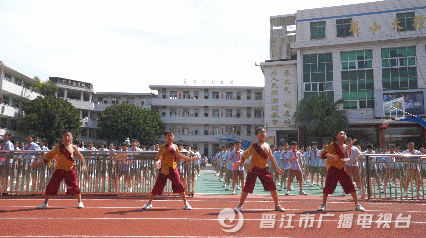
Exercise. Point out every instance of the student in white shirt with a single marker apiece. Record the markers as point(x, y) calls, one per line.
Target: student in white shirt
point(413, 170)
point(296, 168)
point(322, 166)
point(43, 144)
point(7, 145)
point(238, 172)
point(353, 165)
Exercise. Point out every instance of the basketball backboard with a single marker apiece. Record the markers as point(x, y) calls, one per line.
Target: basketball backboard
point(394, 109)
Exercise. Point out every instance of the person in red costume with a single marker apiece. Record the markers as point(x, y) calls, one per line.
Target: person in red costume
point(337, 154)
point(166, 160)
point(64, 169)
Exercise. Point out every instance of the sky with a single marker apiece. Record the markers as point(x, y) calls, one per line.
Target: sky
point(125, 46)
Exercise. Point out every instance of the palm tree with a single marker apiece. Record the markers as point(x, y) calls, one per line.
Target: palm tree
point(320, 116)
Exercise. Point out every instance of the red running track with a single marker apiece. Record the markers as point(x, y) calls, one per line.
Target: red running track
point(108, 217)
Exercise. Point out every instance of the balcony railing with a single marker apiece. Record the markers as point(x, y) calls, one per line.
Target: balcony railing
point(10, 111)
point(18, 90)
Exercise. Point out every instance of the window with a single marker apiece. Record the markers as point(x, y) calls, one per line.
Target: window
point(163, 93)
point(249, 112)
point(343, 26)
point(100, 100)
point(228, 112)
point(248, 94)
point(238, 130)
point(195, 112)
point(215, 112)
point(406, 21)
point(195, 130)
point(229, 95)
point(357, 79)
point(238, 113)
point(5, 100)
point(206, 130)
point(8, 77)
point(318, 30)
point(206, 112)
point(173, 112)
point(163, 111)
point(173, 128)
point(216, 130)
point(257, 113)
point(399, 69)
point(185, 130)
point(186, 95)
point(173, 94)
point(318, 75)
point(248, 130)
point(257, 96)
point(238, 95)
point(18, 81)
point(185, 112)
point(229, 130)
point(195, 94)
point(113, 101)
point(215, 95)
point(206, 94)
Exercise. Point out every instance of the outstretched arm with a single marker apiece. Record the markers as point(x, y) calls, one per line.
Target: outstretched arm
point(184, 157)
point(47, 157)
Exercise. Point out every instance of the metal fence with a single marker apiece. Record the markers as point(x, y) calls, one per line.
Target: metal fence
point(393, 176)
point(108, 172)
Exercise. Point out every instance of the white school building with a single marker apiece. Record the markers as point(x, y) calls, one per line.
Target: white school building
point(207, 117)
point(364, 53)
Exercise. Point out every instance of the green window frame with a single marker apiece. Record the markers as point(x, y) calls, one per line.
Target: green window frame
point(343, 26)
point(357, 79)
point(318, 30)
point(399, 68)
point(318, 75)
point(406, 21)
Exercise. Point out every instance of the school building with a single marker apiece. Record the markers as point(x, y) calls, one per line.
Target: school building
point(207, 117)
point(90, 103)
point(366, 54)
point(15, 90)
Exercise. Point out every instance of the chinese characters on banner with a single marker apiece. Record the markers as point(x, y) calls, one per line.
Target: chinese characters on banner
point(281, 93)
point(346, 221)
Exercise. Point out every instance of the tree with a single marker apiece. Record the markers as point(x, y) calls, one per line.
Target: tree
point(49, 117)
point(46, 88)
point(119, 122)
point(320, 116)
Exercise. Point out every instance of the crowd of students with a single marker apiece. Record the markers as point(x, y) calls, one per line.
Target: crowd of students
point(114, 168)
point(309, 169)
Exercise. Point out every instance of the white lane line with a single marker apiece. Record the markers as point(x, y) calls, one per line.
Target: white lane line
point(165, 218)
point(101, 236)
point(110, 200)
point(203, 208)
point(210, 200)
